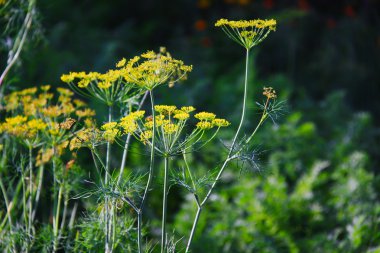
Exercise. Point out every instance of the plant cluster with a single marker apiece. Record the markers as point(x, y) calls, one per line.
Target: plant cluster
point(52, 130)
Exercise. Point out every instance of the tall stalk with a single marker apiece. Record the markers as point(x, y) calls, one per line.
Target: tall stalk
point(56, 220)
point(164, 205)
point(108, 248)
point(57, 202)
point(127, 141)
point(229, 156)
point(150, 175)
point(38, 191)
point(30, 200)
point(19, 40)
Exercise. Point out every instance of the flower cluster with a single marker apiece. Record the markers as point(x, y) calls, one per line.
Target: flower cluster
point(40, 118)
point(169, 125)
point(130, 78)
point(247, 33)
point(152, 69)
point(269, 92)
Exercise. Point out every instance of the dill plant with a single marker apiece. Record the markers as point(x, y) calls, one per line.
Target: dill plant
point(50, 128)
point(43, 124)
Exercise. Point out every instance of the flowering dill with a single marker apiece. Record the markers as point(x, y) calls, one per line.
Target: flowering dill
point(109, 87)
point(152, 69)
point(170, 125)
point(247, 33)
point(41, 119)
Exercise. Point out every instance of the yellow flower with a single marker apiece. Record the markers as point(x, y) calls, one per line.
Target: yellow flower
point(187, 109)
point(129, 126)
point(205, 116)
point(85, 113)
point(181, 116)
point(109, 126)
point(220, 122)
point(247, 33)
point(269, 92)
point(145, 136)
point(65, 92)
point(110, 134)
point(36, 124)
point(204, 125)
point(68, 78)
point(121, 63)
point(28, 91)
point(137, 115)
point(67, 124)
point(170, 128)
point(15, 120)
point(153, 69)
point(51, 111)
point(104, 85)
point(79, 103)
point(45, 87)
point(165, 109)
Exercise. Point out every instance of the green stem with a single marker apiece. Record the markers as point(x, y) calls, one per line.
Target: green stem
point(106, 216)
point(38, 192)
point(24, 198)
point(230, 152)
point(150, 175)
point(128, 140)
point(30, 190)
point(8, 215)
point(164, 206)
point(56, 222)
point(195, 223)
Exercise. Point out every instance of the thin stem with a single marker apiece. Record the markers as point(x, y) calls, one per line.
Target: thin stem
point(164, 206)
point(126, 146)
point(195, 223)
point(106, 216)
point(56, 227)
point(237, 132)
point(7, 205)
point(38, 193)
point(189, 171)
point(23, 33)
point(230, 152)
point(150, 175)
point(24, 198)
point(65, 205)
point(30, 190)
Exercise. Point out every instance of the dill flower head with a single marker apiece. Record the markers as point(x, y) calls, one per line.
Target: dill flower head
point(247, 33)
point(151, 69)
point(269, 92)
point(108, 87)
point(169, 127)
point(40, 118)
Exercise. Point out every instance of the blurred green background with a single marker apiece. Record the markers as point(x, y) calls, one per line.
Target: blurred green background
point(315, 183)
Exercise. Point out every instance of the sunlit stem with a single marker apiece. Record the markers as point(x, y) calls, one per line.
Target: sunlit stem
point(20, 40)
point(107, 215)
point(24, 201)
point(164, 205)
point(128, 140)
point(56, 222)
point(7, 205)
point(150, 175)
point(230, 152)
point(195, 223)
point(38, 192)
point(30, 190)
